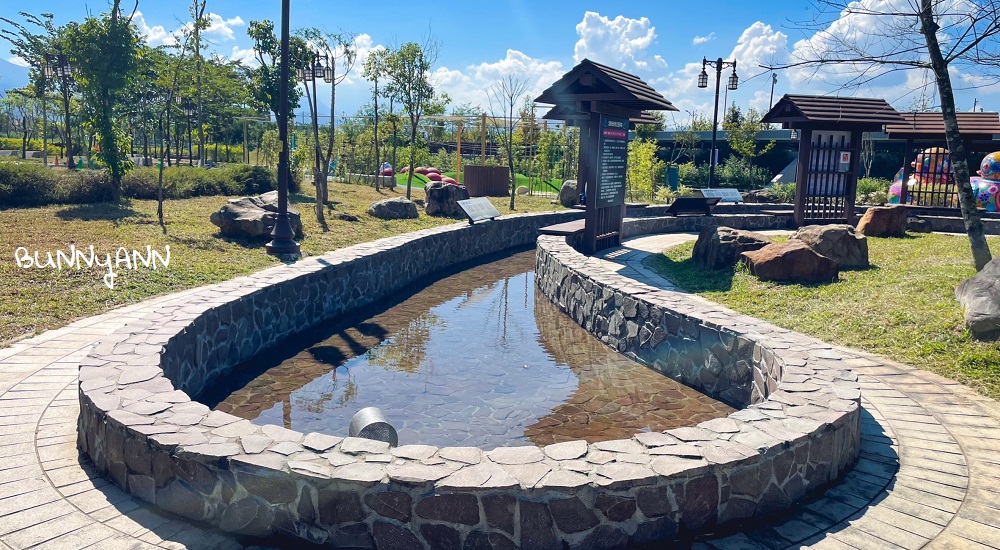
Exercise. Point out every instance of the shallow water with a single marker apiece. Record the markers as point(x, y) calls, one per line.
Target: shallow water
point(475, 358)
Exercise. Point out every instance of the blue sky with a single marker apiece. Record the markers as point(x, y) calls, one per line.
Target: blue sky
point(663, 42)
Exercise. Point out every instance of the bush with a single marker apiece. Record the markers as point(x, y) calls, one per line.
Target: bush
point(30, 184)
point(693, 175)
point(873, 191)
point(782, 192)
point(666, 195)
point(740, 173)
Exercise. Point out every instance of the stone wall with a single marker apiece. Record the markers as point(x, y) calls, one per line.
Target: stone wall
point(139, 425)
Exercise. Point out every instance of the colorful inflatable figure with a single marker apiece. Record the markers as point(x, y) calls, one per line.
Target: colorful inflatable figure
point(987, 186)
point(896, 189)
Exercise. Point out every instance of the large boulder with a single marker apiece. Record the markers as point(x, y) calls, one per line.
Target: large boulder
point(720, 247)
point(569, 194)
point(839, 242)
point(253, 217)
point(980, 297)
point(442, 198)
point(884, 221)
point(790, 261)
point(393, 209)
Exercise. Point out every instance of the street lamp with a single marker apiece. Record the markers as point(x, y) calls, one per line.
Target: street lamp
point(59, 66)
point(731, 84)
point(315, 70)
point(282, 243)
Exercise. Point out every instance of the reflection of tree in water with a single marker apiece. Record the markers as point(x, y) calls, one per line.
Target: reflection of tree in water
point(338, 376)
point(406, 349)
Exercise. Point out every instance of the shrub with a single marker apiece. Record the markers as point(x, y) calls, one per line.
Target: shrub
point(666, 195)
point(30, 184)
point(874, 191)
point(782, 192)
point(693, 175)
point(739, 172)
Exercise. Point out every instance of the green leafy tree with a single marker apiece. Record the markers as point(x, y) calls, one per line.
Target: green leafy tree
point(408, 69)
point(265, 78)
point(644, 169)
point(106, 54)
point(742, 135)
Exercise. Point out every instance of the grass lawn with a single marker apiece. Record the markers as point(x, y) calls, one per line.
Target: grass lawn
point(903, 307)
point(34, 300)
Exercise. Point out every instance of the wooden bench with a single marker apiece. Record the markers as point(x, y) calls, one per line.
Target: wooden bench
point(563, 229)
point(700, 206)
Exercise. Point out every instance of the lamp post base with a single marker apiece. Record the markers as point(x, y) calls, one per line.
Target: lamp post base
point(282, 242)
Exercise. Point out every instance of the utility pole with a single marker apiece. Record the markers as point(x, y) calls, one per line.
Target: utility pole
point(774, 80)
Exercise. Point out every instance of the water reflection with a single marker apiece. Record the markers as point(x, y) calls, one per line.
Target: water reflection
point(472, 359)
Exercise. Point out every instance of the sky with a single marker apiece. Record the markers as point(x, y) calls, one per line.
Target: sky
point(662, 42)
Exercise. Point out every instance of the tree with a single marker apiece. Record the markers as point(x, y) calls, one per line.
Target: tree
point(741, 133)
point(408, 69)
point(341, 52)
point(264, 79)
point(374, 69)
point(504, 96)
point(199, 23)
point(644, 169)
point(910, 36)
point(106, 55)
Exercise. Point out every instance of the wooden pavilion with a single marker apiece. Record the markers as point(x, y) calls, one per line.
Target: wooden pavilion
point(926, 130)
point(829, 131)
point(604, 103)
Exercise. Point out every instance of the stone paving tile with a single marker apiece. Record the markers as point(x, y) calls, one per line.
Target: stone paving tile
point(46, 531)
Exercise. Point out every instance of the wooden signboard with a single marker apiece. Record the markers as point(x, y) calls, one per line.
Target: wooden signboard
point(479, 209)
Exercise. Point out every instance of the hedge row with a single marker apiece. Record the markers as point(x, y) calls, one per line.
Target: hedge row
point(30, 184)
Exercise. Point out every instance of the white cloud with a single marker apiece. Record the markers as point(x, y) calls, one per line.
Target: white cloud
point(621, 42)
point(222, 29)
point(759, 45)
point(472, 85)
point(247, 56)
point(699, 40)
point(19, 61)
point(156, 35)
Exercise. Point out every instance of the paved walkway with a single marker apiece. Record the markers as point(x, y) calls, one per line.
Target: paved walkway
point(929, 475)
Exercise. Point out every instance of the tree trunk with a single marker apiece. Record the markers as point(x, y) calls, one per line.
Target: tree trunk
point(413, 141)
point(378, 160)
point(973, 224)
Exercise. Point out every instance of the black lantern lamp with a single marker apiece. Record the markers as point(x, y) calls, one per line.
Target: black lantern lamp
point(731, 84)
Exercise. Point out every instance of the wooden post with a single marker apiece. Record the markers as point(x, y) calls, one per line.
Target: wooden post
point(908, 156)
point(851, 190)
point(802, 175)
point(588, 172)
point(458, 154)
point(482, 129)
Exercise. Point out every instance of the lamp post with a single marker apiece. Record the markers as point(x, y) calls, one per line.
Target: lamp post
point(732, 84)
point(282, 243)
point(60, 67)
point(313, 71)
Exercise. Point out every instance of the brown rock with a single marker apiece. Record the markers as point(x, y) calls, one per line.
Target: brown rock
point(884, 221)
point(536, 527)
point(442, 199)
point(390, 504)
point(572, 515)
point(500, 512)
point(720, 247)
point(839, 242)
point(340, 507)
point(478, 540)
point(614, 507)
point(456, 508)
point(604, 537)
point(792, 261)
point(701, 502)
point(388, 535)
point(441, 536)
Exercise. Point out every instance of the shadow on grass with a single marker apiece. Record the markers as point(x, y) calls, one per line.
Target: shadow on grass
point(105, 211)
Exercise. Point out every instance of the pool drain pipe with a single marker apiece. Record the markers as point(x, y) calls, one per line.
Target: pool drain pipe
point(371, 423)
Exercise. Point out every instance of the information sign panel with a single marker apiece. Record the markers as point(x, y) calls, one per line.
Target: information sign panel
point(478, 209)
point(612, 161)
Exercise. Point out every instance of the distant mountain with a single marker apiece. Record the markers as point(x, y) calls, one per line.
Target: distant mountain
point(12, 76)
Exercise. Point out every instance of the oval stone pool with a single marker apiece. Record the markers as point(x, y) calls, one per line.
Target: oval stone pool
point(470, 359)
